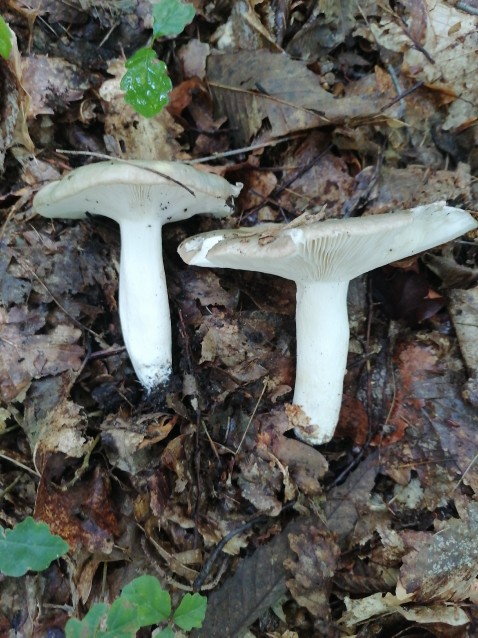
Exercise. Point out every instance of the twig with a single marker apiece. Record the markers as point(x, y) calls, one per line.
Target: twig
point(9, 487)
point(470, 464)
point(264, 386)
point(19, 464)
point(84, 466)
point(77, 323)
point(206, 568)
point(238, 151)
point(401, 96)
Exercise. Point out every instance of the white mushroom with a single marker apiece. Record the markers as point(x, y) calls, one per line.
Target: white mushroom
point(141, 196)
point(322, 257)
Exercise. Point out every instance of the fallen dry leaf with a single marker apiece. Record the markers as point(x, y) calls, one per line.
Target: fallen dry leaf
point(312, 568)
point(83, 514)
point(26, 356)
point(446, 567)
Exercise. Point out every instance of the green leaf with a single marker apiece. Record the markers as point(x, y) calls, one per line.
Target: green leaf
point(29, 545)
point(190, 612)
point(5, 39)
point(153, 603)
point(167, 632)
point(170, 17)
point(89, 626)
point(146, 83)
point(122, 620)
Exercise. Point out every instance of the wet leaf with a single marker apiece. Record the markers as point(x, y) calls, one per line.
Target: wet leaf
point(5, 39)
point(146, 83)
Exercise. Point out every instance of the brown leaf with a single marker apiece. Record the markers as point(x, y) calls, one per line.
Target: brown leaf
point(51, 81)
point(260, 484)
point(240, 346)
point(445, 568)
point(82, 515)
point(417, 185)
point(259, 582)
point(326, 183)
point(345, 502)
point(464, 311)
point(249, 86)
point(201, 287)
point(305, 464)
point(429, 413)
point(405, 294)
point(313, 568)
point(25, 356)
point(193, 57)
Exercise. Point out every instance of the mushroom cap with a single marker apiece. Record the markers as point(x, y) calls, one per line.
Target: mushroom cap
point(331, 250)
point(122, 190)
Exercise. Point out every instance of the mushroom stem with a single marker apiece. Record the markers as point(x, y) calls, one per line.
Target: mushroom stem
point(143, 301)
point(322, 346)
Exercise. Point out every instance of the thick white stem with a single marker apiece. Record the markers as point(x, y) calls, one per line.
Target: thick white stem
point(322, 346)
point(143, 301)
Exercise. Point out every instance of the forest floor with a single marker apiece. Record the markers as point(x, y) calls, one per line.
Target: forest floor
point(332, 108)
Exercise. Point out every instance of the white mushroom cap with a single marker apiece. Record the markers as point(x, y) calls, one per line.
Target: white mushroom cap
point(330, 250)
point(121, 190)
point(322, 257)
point(141, 196)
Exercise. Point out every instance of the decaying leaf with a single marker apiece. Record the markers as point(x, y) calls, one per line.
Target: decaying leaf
point(312, 568)
point(440, 429)
point(83, 514)
point(258, 584)
point(26, 356)
point(445, 566)
point(383, 604)
point(445, 59)
point(346, 110)
point(464, 312)
point(51, 83)
point(345, 502)
point(289, 94)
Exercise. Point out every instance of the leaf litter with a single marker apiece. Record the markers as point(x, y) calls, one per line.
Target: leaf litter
point(339, 112)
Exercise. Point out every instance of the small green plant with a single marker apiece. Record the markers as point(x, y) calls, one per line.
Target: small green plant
point(146, 82)
point(142, 602)
point(5, 39)
point(29, 546)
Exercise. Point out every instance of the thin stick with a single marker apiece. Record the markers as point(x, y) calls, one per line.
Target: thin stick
point(27, 266)
point(470, 464)
point(19, 464)
point(264, 386)
point(238, 151)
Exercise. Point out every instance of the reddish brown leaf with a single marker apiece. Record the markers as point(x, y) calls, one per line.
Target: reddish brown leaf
point(83, 514)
